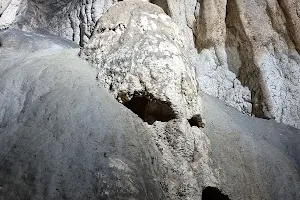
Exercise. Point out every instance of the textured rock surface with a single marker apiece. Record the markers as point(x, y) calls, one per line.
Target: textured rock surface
point(9, 10)
point(20, 41)
point(140, 52)
point(236, 46)
point(263, 151)
point(63, 136)
point(74, 20)
point(230, 49)
point(203, 26)
point(269, 62)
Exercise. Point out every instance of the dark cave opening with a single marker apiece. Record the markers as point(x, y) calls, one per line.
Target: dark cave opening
point(196, 120)
point(150, 109)
point(213, 193)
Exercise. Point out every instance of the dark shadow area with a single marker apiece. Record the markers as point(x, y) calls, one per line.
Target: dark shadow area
point(150, 110)
point(240, 58)
point(163, 4)
point(212, 193)
point(196, 120)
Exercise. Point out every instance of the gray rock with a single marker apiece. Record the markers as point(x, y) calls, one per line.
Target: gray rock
point(22, 41)
point(64, 137)
point(251, 64)
point(254, 158)
point(9, 11)
point(74, 20)
point(140, 53)
point(203, 25)
point(239, 50)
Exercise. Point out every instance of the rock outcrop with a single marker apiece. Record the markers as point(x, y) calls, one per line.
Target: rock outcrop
point(268, 57)
point(64, 137)
point(63, 134)
point(15, 40)
point(238, 56)
point(203, 26)
point(255, 43)
point(73, 20)
point(9, 11)
point(140, 54)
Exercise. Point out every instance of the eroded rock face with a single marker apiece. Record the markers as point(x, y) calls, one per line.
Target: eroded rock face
point(203, 25)
point(236, 47)
point(185, 159)
point(235, 55)
point(140, 52)
point(9, 10)
point(267, 59)
point(73, 20)
point(21, 41)
point(63, 136)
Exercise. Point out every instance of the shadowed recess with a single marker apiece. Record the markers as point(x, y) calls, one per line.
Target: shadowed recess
point(150, 109)
point(212, 193)
point(196, 120)
point(163, 4)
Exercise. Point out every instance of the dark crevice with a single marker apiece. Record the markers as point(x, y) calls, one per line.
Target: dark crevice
point(213, 193)
point(291, 26)
point(150, 109)
point(196, 120)
point(240, 58)
point(163, 4)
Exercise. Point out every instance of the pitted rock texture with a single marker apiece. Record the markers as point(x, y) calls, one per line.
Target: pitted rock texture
point(139, 51)
point(62, 136)
point(245, 44)
point(203, 25)
point(185, 160)
point(267, 60)
point(74, 20)
point(9, 10)
point(250, 62)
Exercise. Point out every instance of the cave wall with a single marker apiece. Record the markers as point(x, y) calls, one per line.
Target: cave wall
point(244, 52)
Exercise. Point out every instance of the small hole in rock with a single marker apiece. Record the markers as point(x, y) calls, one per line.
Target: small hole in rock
point(196, 120)
point(213, 193)
point(150, 109)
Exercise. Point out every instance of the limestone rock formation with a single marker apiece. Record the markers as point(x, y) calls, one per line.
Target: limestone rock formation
point(64, 136)
point(204, 29)
point(239, 49)
point(9, 10)
point(250, 42)
point(21, 41)
point(268, 61)
point(141, 54)
point(73, 20)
